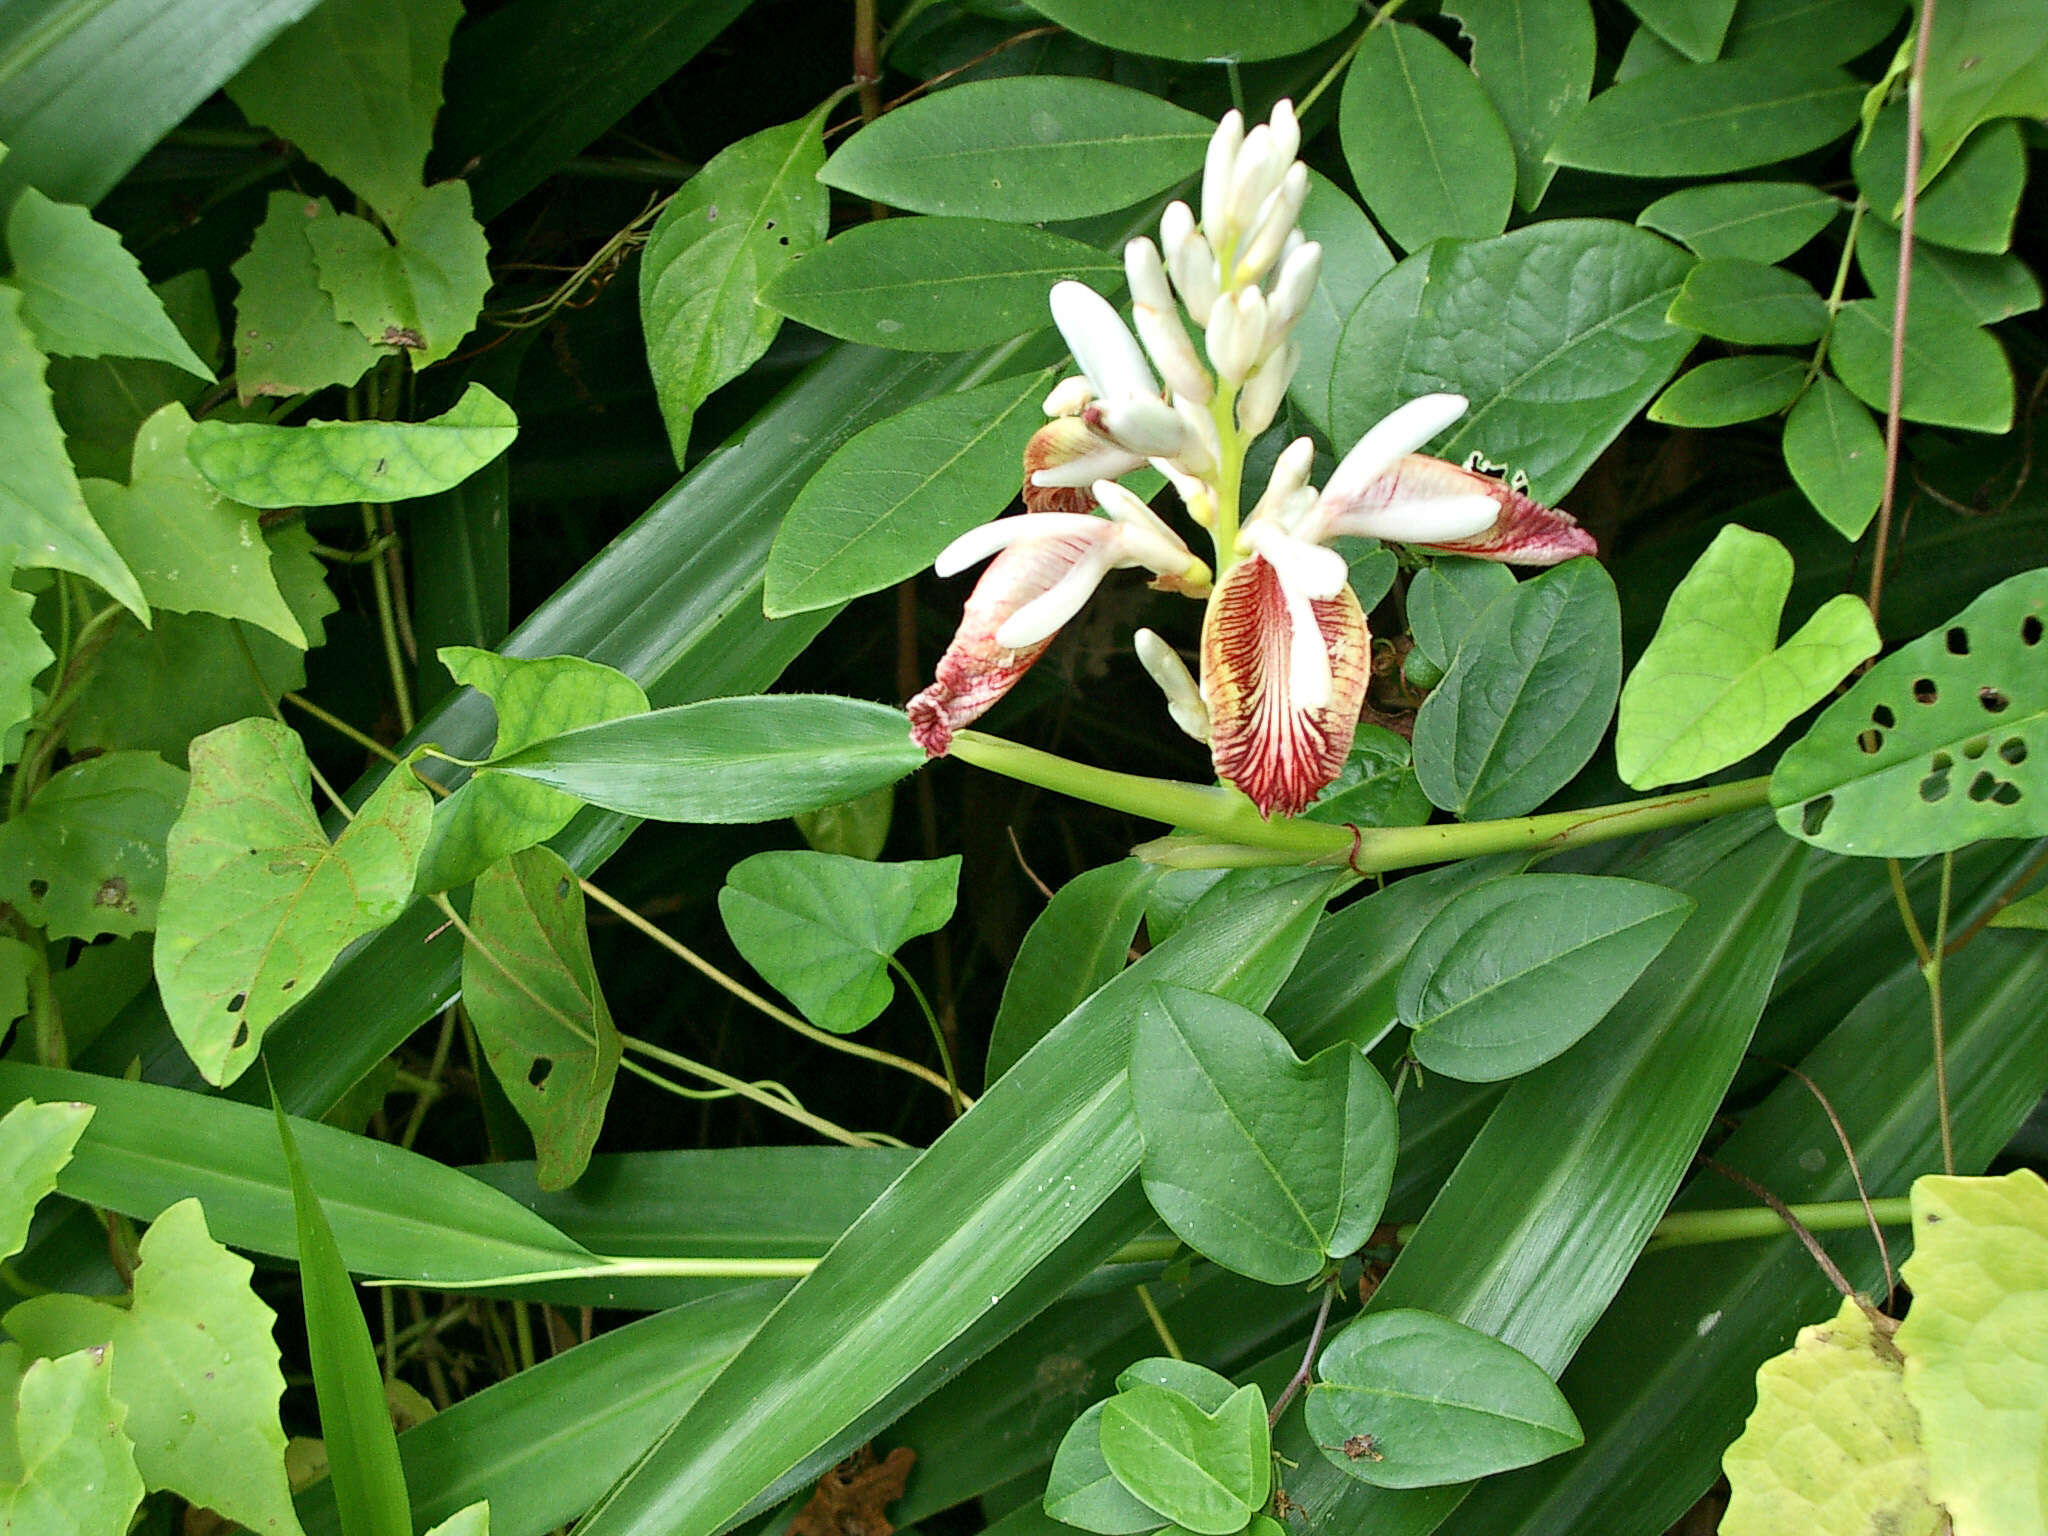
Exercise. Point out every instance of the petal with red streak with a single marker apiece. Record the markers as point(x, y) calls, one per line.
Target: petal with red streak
point(1525, 533)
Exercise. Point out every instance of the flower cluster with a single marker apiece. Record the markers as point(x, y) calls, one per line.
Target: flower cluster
point(1285, 652)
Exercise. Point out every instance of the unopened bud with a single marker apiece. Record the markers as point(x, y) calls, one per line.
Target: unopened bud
point(1069, 397)
point(1218, 172)
point(1237, 330)
point(1274, 223)
point(1166, 339)
point(1265, 389)
point(1145, 424)
point(1292, 289)
point(1147, 275)
point(1183, 696)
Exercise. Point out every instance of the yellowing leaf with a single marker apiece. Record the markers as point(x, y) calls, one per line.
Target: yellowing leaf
point(288, 339)
point(1976, 1347)
point(77, 1464)
point(421, 295)
point(35, 1144)
point(1833, 1447)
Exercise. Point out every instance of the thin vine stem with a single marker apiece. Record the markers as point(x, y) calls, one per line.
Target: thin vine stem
point(1157, 1318)
point(1933, 974)
point(960, 1104)
point(1308, 1358)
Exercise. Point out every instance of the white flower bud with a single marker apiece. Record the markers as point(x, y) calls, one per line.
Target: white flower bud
point(1237, 330)
point(1194, 274)
point(1183, 697)
point(1203, 448)
point(1290, 473)
point(1175, 225)
point(1274, 223)
point(1100, 341)
point(1196, 494)
point(1219, 171)
point(1166, 339)
point(1070, 397)
point(1292, 289)
point(1286, 129)
point(1266, 388)
point(1145, 424)
point(1147, 275)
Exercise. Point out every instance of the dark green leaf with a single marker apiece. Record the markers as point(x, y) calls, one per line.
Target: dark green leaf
point(726, 760)
point(1354, 258)
point(1709, 119)
point(1444, 601)
point(1956, 375)
point(1825, 31)
point(85, 857)
point(934, 285)
point(1268, 1165)
point(1535, 59)
point(288, 339)
point(1424, 144)
point(1439, 1402)
point(1514, 972)
point(1750, 303)
point(1984, 61)
point(1693, 27)
point(887, 502)
point(822, 928)
point(1376, 787)
point(1836, 454)
point(1987, 288)
point(1941, 743)
point(532, 992)
point(1968, 207)
point(1201, 30)
point(1731, 389)
point(1024, 150)
point(1527, 700)
point(1078, 943)
point(1208, 1472)
point(1747, 220)
point(1576, 343)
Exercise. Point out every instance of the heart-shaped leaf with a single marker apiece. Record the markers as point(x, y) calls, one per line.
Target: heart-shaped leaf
point(1412, 1400)
point(76, 1461)
point(1714, 685)
point(86, 856)
point(1206, 1472)
point(1514, 972)
point(1267, 1164)
point(288, 339)
point(421, 295)
point(1943, 742)
point(822, 927)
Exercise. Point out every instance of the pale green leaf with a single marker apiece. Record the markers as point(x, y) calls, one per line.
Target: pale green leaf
point(355, 86)
point(935, 285)
point(822, 928)
point(42, 511)
point(894, 495)
point(288, 339)
point(1207, 1472)
point(1708, 119)
point(472, 1520)
point(421, 295)
point(192, 549)
point(1956, 374)
point(1440, 1402)
point(2027, 912)
point(327, 463)
point(1535, 60)
point(1836, 454)
point(1201, 30)
point(85, 857)
point(493, 815)
point(257, 902)
point(195, 1365)
point(530, 987)
point(1747, 220)
point(1750, 303)
point(1080, 1490)
point(1714, 684)
point(734, 225)
point(1424, 144)
point(1976, 1346)
point(78, 1474)
point(1731, 389)
point(82, 294)
point(1833, 1446)
point(35, 1143)
point(23, 652)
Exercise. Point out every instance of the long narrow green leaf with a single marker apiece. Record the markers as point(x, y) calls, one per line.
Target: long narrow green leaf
point(362, 1448)
point(1537, 1228)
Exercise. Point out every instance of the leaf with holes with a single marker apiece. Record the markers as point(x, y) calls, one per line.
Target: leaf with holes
point(1435, 1401)
point(85, 857)
point(1714, 685)
point(1943, 742)
point(532, 991)
point(1269, 1165)
point(196, 1365)
point(257, 903)
point(326, 463)
point(493, 815)
point(1208, 1472)
point(823, 928)
point(35, 1144)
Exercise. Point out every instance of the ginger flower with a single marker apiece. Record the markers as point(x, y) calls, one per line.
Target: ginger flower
point(1285, 654)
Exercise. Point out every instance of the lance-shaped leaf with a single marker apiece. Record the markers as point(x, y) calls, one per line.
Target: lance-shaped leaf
point(1200, 30)
point(493, 815)
point(288, 339)
point(1731, 389)
point(1207, 1472)
point(532, 992)
point(732, 228)
point(326, 463)
point(1749, 220)
point(727, 760)
point(1836, 454)
point(196, 1366)
point(1269, 1165)
point(1081, 940)
point(1749, 302)
point(1707, 119)
point(1410, 1400)
point(1833, 1446)
point(35, 1144)
point(73, 1462)
point(1943, 742)
point(42, 512)
point(1515, 972)
point(192, 549)
point(1714, 685)
point(356, 86)
point(86, 856)
point(1534, 58)
point(257, 902)
point(1976, 1346)
point(82, 294)
point(420, 295)
point(822, 927)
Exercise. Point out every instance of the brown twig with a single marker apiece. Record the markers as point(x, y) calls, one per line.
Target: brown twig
point(1884, 1251)
point(1783, 1211)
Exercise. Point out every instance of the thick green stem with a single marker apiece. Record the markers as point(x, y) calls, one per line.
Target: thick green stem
point(1682, 1229)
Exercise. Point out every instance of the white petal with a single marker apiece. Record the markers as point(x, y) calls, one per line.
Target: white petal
point(1286, 129)
point(1308, 663)
point(1219, 169)
point(1265, 389)
point(1420, 519)
point(1069, 397)
point(1290, 473)
point(977, 544)
point(1166, 339)
point(1147, 275)
point(1101, 343)
point(1175, 225)
point(1183, 698)
point(1272, 225)
point(1299, 271)
point(1145, 424)
point(1390, 440)
point(1041, 618)
point(1304, 569)
point(1104, 463)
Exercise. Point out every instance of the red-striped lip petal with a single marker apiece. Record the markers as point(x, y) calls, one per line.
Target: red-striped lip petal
point(1278, 752)
point(1525, 533)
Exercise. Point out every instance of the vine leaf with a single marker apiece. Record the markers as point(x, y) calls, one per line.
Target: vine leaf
point(23, 651)
point(533, 994)
point(1207, 1472)
point(1082, 1491)
point(35, 1144)
point(72, 1457)
point(85, 857)
point(288, 339)
point(1714, 685)
point(194, 1364)
point(420, 295)
point(257, 902)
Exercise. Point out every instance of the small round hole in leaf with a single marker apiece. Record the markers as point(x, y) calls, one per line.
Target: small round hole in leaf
point(1959, 641)
point(1976, 747)
point(1870, 742)
point(2030, 629)
point(1924, 691)
point(1814, 815)
point(1982, 786)
point(235, 1003)
point(1934, 788)
point(38, 889)
point(1993, 699)
point(2013, 750)
point(1883, 718)
point(537, 1074)
point(1941, 762)
point(2007, 793)
point(288, 983)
